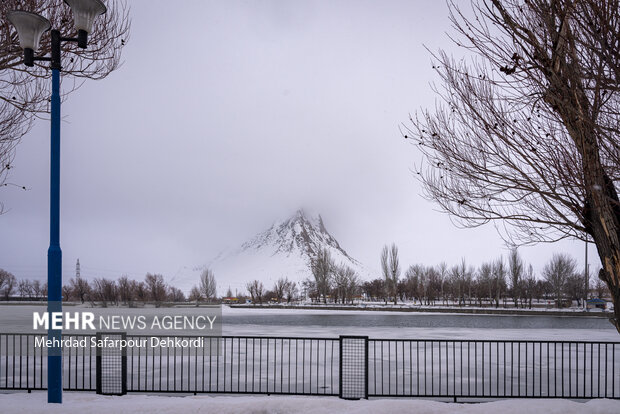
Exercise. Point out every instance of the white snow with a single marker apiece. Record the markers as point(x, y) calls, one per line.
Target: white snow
point(80, 403)
point(284, 250)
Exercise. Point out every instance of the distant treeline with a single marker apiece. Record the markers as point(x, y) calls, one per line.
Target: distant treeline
point(100, 291)
point(498, 282)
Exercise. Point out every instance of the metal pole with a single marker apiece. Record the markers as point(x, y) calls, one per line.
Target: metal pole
point(587, 281)
point(54, 254)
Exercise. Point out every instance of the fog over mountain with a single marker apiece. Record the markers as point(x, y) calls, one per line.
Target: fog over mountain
point(284, 250)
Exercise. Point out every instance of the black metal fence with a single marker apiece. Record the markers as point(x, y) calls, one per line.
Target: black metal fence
point(349, 367)
point(237, 364)
point(502, 369)
point(23, 363)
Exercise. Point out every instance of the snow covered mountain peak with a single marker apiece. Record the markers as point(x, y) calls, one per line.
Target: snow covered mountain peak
point(285, 249)
point(302, 233)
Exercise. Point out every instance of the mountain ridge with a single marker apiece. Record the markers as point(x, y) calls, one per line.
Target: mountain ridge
point(283, 250)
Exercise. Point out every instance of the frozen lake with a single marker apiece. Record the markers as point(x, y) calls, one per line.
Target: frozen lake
point(309, 363)
point(375, 324)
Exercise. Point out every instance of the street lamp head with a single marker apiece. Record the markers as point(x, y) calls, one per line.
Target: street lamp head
point(85, 12)
point(30, 27)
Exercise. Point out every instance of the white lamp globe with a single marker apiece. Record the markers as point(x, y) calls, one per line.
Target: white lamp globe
point(85, 12)
point(30, 27)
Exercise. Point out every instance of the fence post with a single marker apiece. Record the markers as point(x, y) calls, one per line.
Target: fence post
point(111, 363)
point(353, 367)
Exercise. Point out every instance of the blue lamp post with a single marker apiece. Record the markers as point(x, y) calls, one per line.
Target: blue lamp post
point(30, 27)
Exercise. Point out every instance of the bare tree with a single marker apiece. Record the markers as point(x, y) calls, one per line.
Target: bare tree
point(413, 282)
point(374, 290)
point(260, 292)
point(385, 271)
point(515, 273)
point(195, 295)
point(390, 267)
point(432, 284)
point(530, 285)
point(574, 287)
point(322, 269)
point(24, 91)
point(279, 287)
point(499, 280)
point(346, 283)
point(126, 290)
point(175, 294)
point(290, 291)
point(156, 288)
point(256, 290)
point(24, 287)
point(485, 279)
point(81, 288)
point(285, 289)
point(36, 289)
point(339, 284)
point(461, 276)
point(442, 271)
point(141, 292)
point(67, 293)
point(557, 272)
point(308, 289)
point(7, 283)
point(250, 286)
point(527, 131)
point(104, 291)
point(208, 285)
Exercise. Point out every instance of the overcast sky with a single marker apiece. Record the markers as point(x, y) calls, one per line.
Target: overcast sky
point(229, 115)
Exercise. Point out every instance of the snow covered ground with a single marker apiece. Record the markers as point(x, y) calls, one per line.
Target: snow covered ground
point(80, 403)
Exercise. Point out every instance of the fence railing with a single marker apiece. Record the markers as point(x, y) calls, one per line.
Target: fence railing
point(237, 364)
point(349, 367)
point(502, 369)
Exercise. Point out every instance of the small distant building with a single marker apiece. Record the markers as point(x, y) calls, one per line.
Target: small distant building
point(596, 303)
point(230, 300)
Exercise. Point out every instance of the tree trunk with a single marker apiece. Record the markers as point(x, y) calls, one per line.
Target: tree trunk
point(601, 216)
point(601, 210)
point(603, 220)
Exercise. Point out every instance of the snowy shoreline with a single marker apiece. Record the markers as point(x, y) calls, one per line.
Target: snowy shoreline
point(79, 403)
point(468, 310)
point(438, 309)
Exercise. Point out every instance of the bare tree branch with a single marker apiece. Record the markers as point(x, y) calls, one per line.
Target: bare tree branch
point(24, 92)
point(525, 133)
